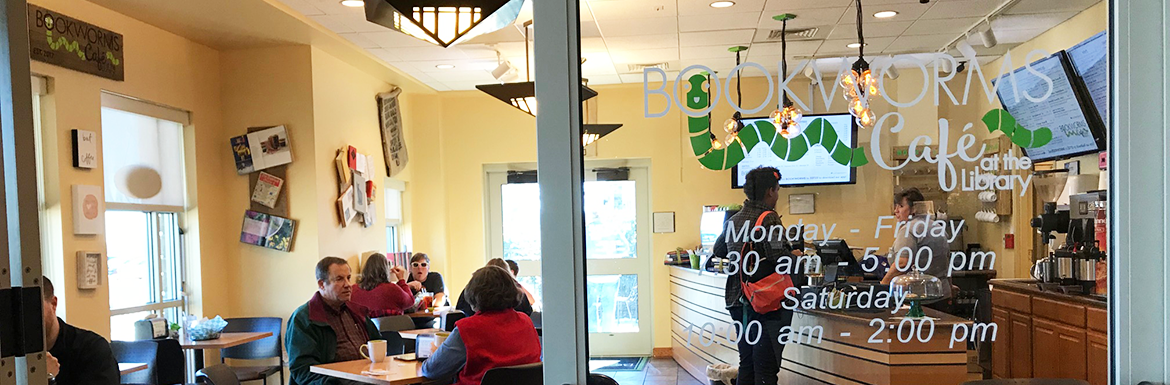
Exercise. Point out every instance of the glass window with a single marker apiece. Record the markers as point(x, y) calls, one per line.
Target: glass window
point(145, 262)
point(610, 220)
point(613, 303)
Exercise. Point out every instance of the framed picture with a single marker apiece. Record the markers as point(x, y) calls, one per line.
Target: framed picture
point(89, 270)
point(84, 149)
point(801, 203)
point(88, 210)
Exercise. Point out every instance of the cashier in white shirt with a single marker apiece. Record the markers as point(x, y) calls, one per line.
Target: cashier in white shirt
point(905, 212)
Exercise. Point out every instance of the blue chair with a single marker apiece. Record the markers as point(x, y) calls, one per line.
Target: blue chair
point(218, 375)
point(264, 348)
point(145, 352)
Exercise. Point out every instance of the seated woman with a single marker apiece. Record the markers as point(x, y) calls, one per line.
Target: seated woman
point(375, 291)
point(421, 277)
point(475, 345)
point(522, 305)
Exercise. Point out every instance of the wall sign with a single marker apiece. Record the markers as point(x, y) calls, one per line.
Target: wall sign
point(74, 44)
point(393, 144)
point(84, 149)
point(88, 210)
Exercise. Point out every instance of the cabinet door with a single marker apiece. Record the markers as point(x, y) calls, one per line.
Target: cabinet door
point(1021, 345)
point(1097, 354)
point(1072, 343)
point(1046, 344)
point(1001, 349)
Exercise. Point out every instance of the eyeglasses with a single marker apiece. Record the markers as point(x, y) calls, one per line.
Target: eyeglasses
point(418, 264)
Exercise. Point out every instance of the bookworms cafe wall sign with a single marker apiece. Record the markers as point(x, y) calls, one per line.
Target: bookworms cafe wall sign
point(697, 95)
point(63, 41)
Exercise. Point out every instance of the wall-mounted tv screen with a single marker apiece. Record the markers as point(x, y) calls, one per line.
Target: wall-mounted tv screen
point(1090, 59)
point(815, 168)
point(1074, 132)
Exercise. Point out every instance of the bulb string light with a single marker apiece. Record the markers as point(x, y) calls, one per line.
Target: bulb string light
point(733, 125)
point(787, 117)
point(860, 84)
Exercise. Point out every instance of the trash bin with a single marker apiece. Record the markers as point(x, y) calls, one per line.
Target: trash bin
point(722, 374)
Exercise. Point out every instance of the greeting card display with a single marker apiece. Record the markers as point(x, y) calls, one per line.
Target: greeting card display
point(266, 230)
point(261, 149)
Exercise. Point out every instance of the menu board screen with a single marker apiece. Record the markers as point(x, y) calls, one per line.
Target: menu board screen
point(1060, 111)
point(816, 167)
point(1090, 58)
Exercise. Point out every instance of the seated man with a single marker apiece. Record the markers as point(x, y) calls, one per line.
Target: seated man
point(328, 328)
point(76, 356)
point(475, 347)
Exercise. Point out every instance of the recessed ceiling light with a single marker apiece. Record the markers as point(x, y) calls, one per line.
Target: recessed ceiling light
point(885, 14)
point(353, 3)
point(445, 66)
point(853, 45)
point(722, 4)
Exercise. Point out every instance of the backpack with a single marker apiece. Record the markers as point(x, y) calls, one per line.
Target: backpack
point(767, 294)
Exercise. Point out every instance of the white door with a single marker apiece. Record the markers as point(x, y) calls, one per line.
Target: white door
point(617, 226)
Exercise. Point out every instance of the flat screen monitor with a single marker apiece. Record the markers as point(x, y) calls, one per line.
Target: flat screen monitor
point(835, 254)
point(815, 168)
point(1090, 59)
point(711, 226)
point(1074, 132)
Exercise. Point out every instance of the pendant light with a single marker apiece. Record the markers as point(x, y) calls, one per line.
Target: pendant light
point(787, 118)
point(860, 84)
point(522, 95)
point(734, 124)
point(443, 22)
point(716, 144)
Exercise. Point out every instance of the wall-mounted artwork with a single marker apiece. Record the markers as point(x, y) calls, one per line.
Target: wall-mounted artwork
point(261, 149)
point(84, 149)
point(88, 210)
point(393, 143)
point(89, 270)
point(268, 231)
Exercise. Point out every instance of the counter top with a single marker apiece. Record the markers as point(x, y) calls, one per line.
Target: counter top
point(1030, 286)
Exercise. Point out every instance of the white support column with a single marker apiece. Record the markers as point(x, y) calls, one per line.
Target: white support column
point(1140, 192)
point(560, 169)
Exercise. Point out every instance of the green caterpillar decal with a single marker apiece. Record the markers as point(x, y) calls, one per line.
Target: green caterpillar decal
point(75, 48)
point(999, 119)
point(818, 132)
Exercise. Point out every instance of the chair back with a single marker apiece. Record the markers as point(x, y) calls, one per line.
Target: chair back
point(145, 352)
point(172, 364)
point(394, 323)
point(447, 321)
point(530, 374)
point(600, 379)
point(536, 321)
point(268, 347)
point(395, 344)
point(218, 375)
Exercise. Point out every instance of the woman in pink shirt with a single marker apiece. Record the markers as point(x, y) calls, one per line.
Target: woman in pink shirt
point(375, 291)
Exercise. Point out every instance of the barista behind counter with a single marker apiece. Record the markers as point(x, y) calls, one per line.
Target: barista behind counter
point(909, 206)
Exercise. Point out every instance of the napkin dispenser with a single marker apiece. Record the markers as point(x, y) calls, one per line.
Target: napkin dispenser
point(149, 329)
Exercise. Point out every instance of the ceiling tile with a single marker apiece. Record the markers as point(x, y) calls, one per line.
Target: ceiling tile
point(1036, 6)
point(1031, 21)
point(359, 40)
point(476, 51)
point(906, 12)
point(604, 79)
point(597, 63)
point(635, 27)
point(964, 8)
point(394, 39)
point(795, 48)
point(303, 6)
point(717, 22)
point(334, 7)
point(460, 85)
point(335, 23)
point(593, 44)
point(625, 9)
point(427, 53)
point(359, 24)
point(622, 43)
point(805, 18)
point(728, 38)
point(915, 44)
point(952, 27)
point(590, 29)
point(849, 31)
point(385, 55)
point(839, 47)
point(644, 56)
point(480, 77)
point(506, 34)
point(794, 5)
point(703, 7)
point(702, 52)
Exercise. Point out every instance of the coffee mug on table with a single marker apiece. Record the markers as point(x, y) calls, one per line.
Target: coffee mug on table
point(376, 349)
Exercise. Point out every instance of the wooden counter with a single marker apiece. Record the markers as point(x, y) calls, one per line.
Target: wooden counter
point(844, 355)
point(1045, 334)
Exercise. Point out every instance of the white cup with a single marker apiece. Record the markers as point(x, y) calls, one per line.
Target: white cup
point(376, 348)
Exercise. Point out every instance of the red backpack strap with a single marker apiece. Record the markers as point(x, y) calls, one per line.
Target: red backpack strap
point(742, 249)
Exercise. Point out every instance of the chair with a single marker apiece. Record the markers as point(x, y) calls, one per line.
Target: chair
point(137, 352)
point(530, 374)
point(218, 375)
point(388, 327)
point(1028, 381)
point(447, 321)
point(600, 379)
point(536, 319)
point(172, 364)
point(265, 348)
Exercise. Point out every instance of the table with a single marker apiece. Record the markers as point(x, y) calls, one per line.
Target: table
point(423, 314)
point(414, 333)
point(125, 369)
point(225, 340)
point(400, 372)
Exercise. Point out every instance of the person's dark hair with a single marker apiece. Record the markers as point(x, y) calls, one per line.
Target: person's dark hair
point(910, 196)
point(758, 181)
point(324, 264)
point(513, 266)
point(376, 272)
point(419, 257)
point(47, 291)
point(498, 262)
point(492, 288)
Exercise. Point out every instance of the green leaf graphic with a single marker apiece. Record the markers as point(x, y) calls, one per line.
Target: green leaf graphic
point(999, 119)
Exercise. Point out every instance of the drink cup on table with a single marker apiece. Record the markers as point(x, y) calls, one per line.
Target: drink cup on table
point(376, 350)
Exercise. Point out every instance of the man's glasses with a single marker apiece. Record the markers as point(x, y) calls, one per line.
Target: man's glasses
point(418, 264)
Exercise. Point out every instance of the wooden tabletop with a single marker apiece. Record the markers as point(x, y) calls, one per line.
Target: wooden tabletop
point(130, 368)
point(414, 333)
point(225, 340)
point(399, 372)
point(423, 314)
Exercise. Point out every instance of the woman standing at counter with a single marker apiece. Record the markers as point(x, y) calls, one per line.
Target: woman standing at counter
point(906, 238)
point(421, 277)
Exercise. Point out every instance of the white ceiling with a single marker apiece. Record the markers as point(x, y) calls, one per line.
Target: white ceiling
point(619, 33)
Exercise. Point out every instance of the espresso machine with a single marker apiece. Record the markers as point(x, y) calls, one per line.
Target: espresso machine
point(1085, 224)
point(1053, 220)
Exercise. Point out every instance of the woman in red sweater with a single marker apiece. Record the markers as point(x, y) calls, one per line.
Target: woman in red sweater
point(375, 291)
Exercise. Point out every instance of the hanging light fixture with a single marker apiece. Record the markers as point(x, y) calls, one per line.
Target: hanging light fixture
point(734, 124)
point(860, 84)
point(522, 95)
point(716, 144)
point(787, 117)
point(443, 22)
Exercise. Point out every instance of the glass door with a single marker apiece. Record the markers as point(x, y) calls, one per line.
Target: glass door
point(617, 247)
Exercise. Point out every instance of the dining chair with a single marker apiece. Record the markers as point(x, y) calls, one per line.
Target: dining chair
point(530, 374)
point(389, 326)
point(138, 352)
point(218, 375)
point(447, 321)
point(263, 349)
point(394, 323)
point(172, 363)
point(600, 379)
point(536, 319)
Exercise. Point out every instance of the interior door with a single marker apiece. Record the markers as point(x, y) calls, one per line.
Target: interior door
point(617, 246)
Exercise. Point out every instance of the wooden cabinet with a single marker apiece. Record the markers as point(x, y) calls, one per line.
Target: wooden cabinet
point(1044, 335)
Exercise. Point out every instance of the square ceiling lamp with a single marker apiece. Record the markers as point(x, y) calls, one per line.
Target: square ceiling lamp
point(594, 132)
point(522, 95)
point(443, 22)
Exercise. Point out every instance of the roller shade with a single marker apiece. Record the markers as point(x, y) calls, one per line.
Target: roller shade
point(142, 157)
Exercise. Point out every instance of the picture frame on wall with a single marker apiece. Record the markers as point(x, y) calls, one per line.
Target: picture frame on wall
point(85, 153)
point(90, 270)
point(88, 210)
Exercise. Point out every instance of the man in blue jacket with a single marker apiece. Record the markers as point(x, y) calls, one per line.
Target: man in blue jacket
point(328, 328)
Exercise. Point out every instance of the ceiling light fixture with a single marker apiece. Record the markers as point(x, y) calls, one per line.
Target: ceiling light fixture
point(443, 22)
point(734, 124)
point(988, 36)
point(787, 117)
point(722, 4)
point(885, 14)
point(522, 95)
point(353, 3)
point(860, 84)
point(853, 45)
point(445, 66)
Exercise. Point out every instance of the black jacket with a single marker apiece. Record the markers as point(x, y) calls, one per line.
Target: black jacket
point(85, 357)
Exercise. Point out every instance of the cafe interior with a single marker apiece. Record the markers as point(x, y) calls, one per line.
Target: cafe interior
point(189, 183)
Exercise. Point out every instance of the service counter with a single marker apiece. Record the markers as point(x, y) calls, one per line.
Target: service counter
point(852, 349)
point(1047, 334)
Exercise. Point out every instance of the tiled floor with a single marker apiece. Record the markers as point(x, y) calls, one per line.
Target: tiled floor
point(659, 371)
